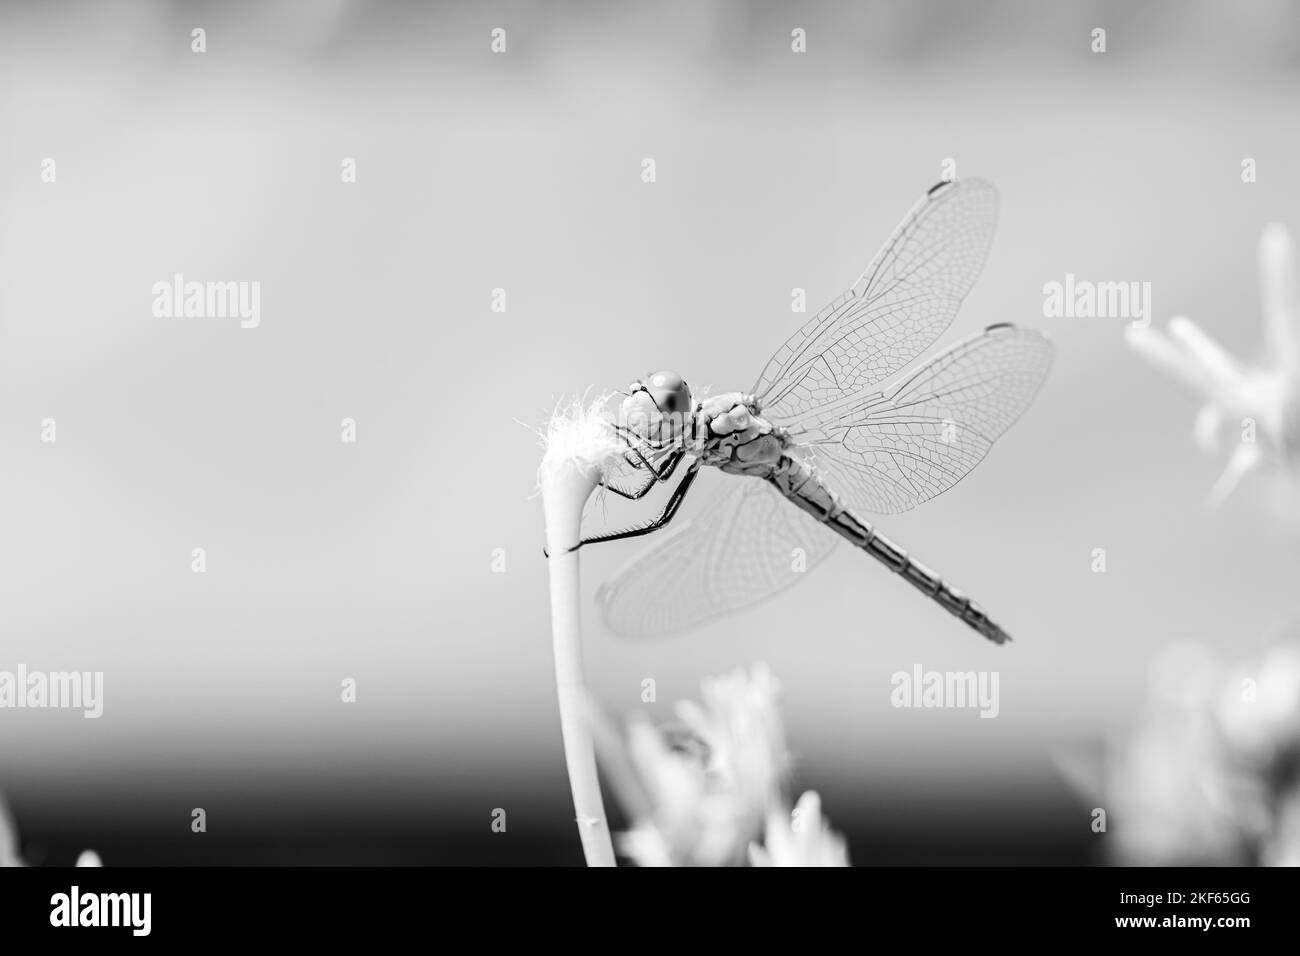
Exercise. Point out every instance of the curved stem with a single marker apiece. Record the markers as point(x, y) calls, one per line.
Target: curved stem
point(565, 489)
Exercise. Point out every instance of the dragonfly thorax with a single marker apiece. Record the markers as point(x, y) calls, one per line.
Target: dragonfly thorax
point(735, 438)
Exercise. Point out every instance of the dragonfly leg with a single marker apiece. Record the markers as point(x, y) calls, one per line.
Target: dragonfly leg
point(655, 523)
point(654, 477)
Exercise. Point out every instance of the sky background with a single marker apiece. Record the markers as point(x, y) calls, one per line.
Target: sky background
point(521, 171)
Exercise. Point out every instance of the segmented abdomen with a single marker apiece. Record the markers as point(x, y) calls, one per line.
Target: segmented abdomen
point(805, 489)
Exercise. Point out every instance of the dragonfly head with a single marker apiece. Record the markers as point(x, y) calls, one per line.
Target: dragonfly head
point(659, 407)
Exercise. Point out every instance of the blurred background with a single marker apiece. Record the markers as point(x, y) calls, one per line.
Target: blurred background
point(521, 171)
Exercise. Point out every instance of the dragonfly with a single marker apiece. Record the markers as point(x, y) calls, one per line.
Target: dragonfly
point(817, 442)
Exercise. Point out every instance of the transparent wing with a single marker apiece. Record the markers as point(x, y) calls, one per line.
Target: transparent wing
point(896, 310)
point(739, 550)
point(888, 452)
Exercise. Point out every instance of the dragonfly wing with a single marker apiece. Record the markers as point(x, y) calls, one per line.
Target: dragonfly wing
point(746, 544)
point(890, 451)
point(896, 310)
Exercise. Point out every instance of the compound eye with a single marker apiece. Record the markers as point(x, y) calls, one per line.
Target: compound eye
point(676, 403)
point(670, 393)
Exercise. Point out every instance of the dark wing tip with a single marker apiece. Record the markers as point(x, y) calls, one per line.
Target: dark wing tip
point(1010, 328)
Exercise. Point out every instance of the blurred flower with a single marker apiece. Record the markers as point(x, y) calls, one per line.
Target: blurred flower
point(1260, 406)
point(8, 838)
point(704, 789)
point(1259, 709)
point(1164, 785)
point(803, 838)
point(9, 843)
point(1258, 713)
point(1212, 775)
point(1282, 848)
point(699, 791)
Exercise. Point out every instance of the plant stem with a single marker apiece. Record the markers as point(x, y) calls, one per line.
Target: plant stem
point(566, 485)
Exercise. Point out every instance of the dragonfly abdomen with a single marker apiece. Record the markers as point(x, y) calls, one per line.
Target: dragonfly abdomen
point(805, 489)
